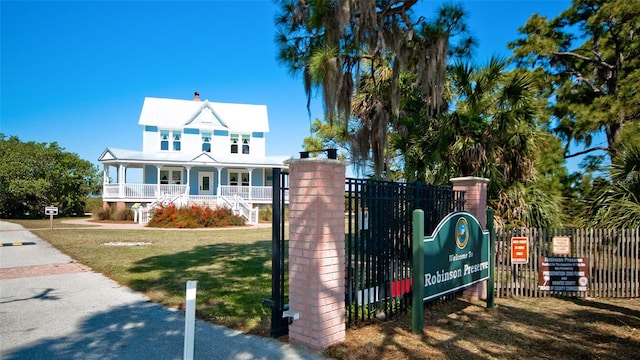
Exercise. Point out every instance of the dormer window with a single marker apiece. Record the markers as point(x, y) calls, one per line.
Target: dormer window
point(164, 140)
point(176, 140)
point(206, 142)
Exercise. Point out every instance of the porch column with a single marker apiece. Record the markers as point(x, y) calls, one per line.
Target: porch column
point(219, 187)
point(121, 180)
point(250, 181)
point(316, 252)
point(475, 196)
point(158, 167)
point(187, 191)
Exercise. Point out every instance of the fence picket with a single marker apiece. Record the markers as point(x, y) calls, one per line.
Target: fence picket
point(613, 257)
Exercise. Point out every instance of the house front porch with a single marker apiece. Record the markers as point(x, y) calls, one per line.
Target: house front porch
point(127, 193)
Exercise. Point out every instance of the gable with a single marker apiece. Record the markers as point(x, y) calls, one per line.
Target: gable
point(205, 118)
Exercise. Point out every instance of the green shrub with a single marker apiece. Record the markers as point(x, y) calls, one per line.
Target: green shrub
point(92, 204)
point(123, 215)
point(265, 214)
point(102, 213)
point(194, 217)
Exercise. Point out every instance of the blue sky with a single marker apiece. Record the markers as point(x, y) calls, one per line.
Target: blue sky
point(77, 72)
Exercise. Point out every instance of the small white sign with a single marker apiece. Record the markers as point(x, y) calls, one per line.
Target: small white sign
point(51, 210)
point(561, 245)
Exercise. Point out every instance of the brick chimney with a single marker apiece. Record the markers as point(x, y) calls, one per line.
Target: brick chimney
point(196, 96)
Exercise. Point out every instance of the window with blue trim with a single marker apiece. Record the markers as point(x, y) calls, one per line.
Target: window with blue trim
point(176, 140)
point(206, 142)
point(164, 140)
point(234, 143)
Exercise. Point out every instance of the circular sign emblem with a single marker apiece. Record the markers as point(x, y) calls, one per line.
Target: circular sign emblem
point(583, 281)
point(462, 233)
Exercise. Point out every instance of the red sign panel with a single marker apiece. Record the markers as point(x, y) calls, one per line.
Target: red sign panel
point(563, 274)
point(519, 250)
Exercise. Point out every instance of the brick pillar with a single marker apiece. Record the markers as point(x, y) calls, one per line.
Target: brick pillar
point(316, 251)
point(475, 197)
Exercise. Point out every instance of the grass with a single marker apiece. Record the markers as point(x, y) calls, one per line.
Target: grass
point(232, 268)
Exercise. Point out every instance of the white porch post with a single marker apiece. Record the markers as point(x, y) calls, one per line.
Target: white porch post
point(158, 167)
point(105, 178)
point(187, 191)
point(219, 187)
point(250, 181)
point(121, 180)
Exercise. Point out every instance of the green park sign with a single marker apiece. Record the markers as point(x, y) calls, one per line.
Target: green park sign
point(456, 255)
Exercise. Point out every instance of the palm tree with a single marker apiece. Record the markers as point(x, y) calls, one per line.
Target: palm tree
point(491, 132)
point(617, 205)
point(335, 45)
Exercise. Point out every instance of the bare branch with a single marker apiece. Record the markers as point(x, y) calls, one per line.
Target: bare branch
point(597, 148)
point(582, 57)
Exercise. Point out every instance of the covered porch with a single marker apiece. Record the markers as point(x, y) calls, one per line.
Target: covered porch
point(145, 183)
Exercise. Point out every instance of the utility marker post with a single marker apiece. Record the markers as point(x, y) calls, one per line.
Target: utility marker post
point(190, 320)
point(417, 304)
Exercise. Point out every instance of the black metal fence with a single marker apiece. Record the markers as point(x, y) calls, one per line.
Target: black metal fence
point(378, 242)
point(279, 254)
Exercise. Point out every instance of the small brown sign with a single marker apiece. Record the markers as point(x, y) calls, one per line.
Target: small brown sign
point(561, 245)
point(519, 250)
point(563, 274)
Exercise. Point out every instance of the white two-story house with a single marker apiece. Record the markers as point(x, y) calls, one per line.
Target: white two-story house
point(195, 152)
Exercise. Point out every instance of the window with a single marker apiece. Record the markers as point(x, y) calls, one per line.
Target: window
point(245, 144)
point(176, 140)
point(233, 178)
point(176, 177)
point(234, 143)
point(238, 178)
point(164, 177)
point(171, 177)
point(206, 142)
point(164, 140)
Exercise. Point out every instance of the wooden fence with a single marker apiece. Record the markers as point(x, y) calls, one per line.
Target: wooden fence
point(613, 258)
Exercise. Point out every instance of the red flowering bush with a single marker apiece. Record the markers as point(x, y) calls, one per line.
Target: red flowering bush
point(194, 217)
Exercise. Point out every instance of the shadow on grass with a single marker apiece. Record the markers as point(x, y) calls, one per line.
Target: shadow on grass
point(232, 278)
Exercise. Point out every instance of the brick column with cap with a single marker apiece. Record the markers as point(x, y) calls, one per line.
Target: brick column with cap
point(475, 197)
point(316, 251)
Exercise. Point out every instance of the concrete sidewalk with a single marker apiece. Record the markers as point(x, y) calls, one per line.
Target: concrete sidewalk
point(54, 308)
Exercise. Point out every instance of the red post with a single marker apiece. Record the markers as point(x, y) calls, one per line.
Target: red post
point(316, 252)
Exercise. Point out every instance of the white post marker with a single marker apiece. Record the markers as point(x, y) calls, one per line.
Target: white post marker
point(51, 210)
point(190, 320)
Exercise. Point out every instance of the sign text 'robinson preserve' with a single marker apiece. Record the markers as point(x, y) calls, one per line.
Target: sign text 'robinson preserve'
point(456, 255)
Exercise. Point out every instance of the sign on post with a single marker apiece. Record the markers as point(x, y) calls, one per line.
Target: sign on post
point(519, 250)
point(51, 210)
point(456, 255)
point(563, 274)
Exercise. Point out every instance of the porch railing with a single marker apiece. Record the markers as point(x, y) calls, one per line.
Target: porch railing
point(256, 192)
point(142, 191)
point(150, 191)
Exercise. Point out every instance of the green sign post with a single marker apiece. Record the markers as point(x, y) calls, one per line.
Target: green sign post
point(454, 257)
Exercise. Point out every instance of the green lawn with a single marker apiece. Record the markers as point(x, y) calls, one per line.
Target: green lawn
point(232, 267)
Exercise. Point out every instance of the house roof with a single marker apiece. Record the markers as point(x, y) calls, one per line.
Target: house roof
point(113, 155)
point(177, 114)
